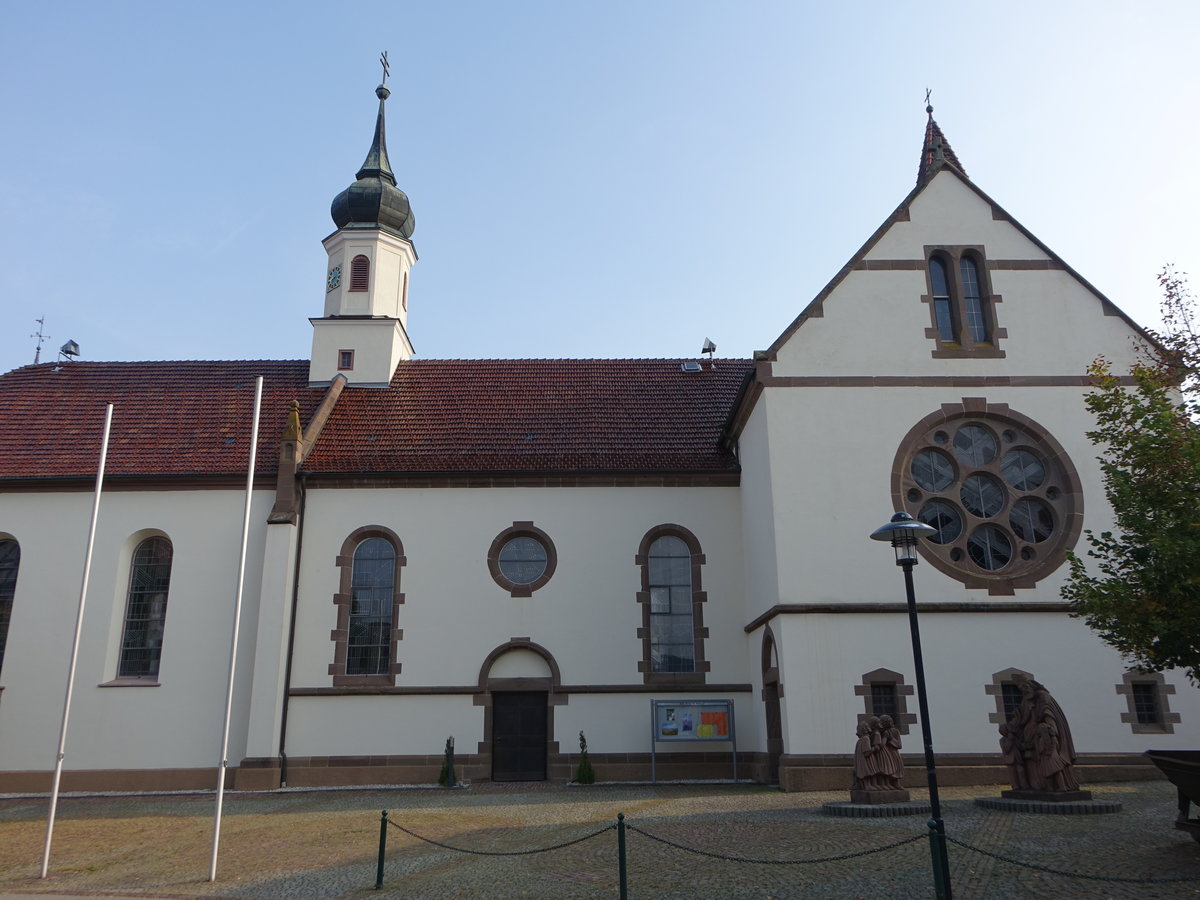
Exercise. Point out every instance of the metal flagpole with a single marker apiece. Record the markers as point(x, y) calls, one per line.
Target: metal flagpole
point(237, 621)
point(87, 570)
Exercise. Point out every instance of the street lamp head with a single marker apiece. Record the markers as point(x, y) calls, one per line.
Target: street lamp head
point(903, 532)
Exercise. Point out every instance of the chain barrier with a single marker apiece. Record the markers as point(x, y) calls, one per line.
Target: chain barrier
point(586, 837)
point(1051, 871)
point(777, 862)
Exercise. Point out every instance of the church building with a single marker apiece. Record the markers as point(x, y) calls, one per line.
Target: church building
point(670, 556)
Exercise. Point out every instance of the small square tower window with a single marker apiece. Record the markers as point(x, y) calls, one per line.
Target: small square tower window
point(345, 360)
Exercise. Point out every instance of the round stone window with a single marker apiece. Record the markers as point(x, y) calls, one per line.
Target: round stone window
point(1000, 493)
point(522, 559)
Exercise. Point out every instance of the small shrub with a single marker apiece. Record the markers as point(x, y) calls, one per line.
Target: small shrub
point(584, 774)
point(446, 776)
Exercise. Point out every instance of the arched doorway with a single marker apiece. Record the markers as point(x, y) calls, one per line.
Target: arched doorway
point(770, 695)
point(518, 689)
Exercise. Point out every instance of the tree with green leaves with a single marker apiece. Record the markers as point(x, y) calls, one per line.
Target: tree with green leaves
point(1141, 589)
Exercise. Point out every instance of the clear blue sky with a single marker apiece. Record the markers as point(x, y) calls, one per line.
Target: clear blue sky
point(589, 179)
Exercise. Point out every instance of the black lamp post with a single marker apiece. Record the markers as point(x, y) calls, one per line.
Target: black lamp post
point(903, 531)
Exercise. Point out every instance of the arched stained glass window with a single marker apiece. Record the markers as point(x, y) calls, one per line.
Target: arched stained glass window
point(372, 583)
point(146, 609)
point(672, 643)
point(10, 561)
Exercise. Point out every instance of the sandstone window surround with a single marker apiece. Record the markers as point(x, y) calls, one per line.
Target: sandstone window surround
point(368, 600)
point(962, 306)
point(672, 603)
point(1147, 695)
point(522, 559)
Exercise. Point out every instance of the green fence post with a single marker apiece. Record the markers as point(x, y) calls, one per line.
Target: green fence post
point(621, 873)
point(382, 850)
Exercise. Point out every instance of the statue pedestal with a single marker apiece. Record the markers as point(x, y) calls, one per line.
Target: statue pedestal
point(900, 796)
point(1048, 796)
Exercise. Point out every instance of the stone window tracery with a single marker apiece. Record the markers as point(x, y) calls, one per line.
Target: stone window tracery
point(1000, 493)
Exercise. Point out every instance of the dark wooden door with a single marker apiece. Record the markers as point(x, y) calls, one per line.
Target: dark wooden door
point(519, 737)
point(774, 730)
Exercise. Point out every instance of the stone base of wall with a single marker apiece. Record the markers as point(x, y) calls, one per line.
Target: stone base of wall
point(114, 780)
point(834, 773)
point(796, 772)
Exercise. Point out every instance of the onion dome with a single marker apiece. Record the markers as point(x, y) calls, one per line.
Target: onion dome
point(374, 200)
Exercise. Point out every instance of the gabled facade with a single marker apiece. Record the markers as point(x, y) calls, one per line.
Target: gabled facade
point(513, 551)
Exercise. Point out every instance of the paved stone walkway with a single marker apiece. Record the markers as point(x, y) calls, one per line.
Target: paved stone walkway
point(323, 844)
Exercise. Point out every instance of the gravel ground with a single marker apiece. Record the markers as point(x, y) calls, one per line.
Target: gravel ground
point(324, 844)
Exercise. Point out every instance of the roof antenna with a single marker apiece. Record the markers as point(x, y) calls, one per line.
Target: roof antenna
point(37, 355)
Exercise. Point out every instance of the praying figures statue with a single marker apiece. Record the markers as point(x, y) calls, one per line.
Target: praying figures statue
point(1036, 744)
point(878, 766)
point(866, 768)
point(891, 765)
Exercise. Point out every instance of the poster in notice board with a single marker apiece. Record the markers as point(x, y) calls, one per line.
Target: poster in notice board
point(689, 720)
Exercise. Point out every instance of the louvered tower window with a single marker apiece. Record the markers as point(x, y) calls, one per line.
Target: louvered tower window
point(360, 273)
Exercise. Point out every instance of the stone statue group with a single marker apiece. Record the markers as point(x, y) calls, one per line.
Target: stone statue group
point(1036, 742)
point(877, 762)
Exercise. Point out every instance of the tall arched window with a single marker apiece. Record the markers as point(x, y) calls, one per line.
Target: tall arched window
point(973, 300)
point(360, 273)
point(372, 584)
point(672, 629)
point(10, 561)
point(942, 308)
point(146, 609)
point(368, 606)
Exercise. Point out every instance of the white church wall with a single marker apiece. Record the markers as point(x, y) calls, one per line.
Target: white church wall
point(176, 724)
point(455, 614)
point(839, 445)
point(381, 725)
point(963, 652)
point(873, 323)
point(758, 511)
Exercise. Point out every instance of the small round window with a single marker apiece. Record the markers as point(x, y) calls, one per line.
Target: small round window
point(522, 559)
point(1000, 493)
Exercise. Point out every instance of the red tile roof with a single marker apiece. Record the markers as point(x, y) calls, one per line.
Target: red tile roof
point(177, 419)
point(170, 419)
point(539, 415)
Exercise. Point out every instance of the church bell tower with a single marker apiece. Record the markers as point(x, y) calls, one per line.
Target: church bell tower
point(363, 332)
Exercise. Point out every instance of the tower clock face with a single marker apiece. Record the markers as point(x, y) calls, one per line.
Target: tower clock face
point(334, 278)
